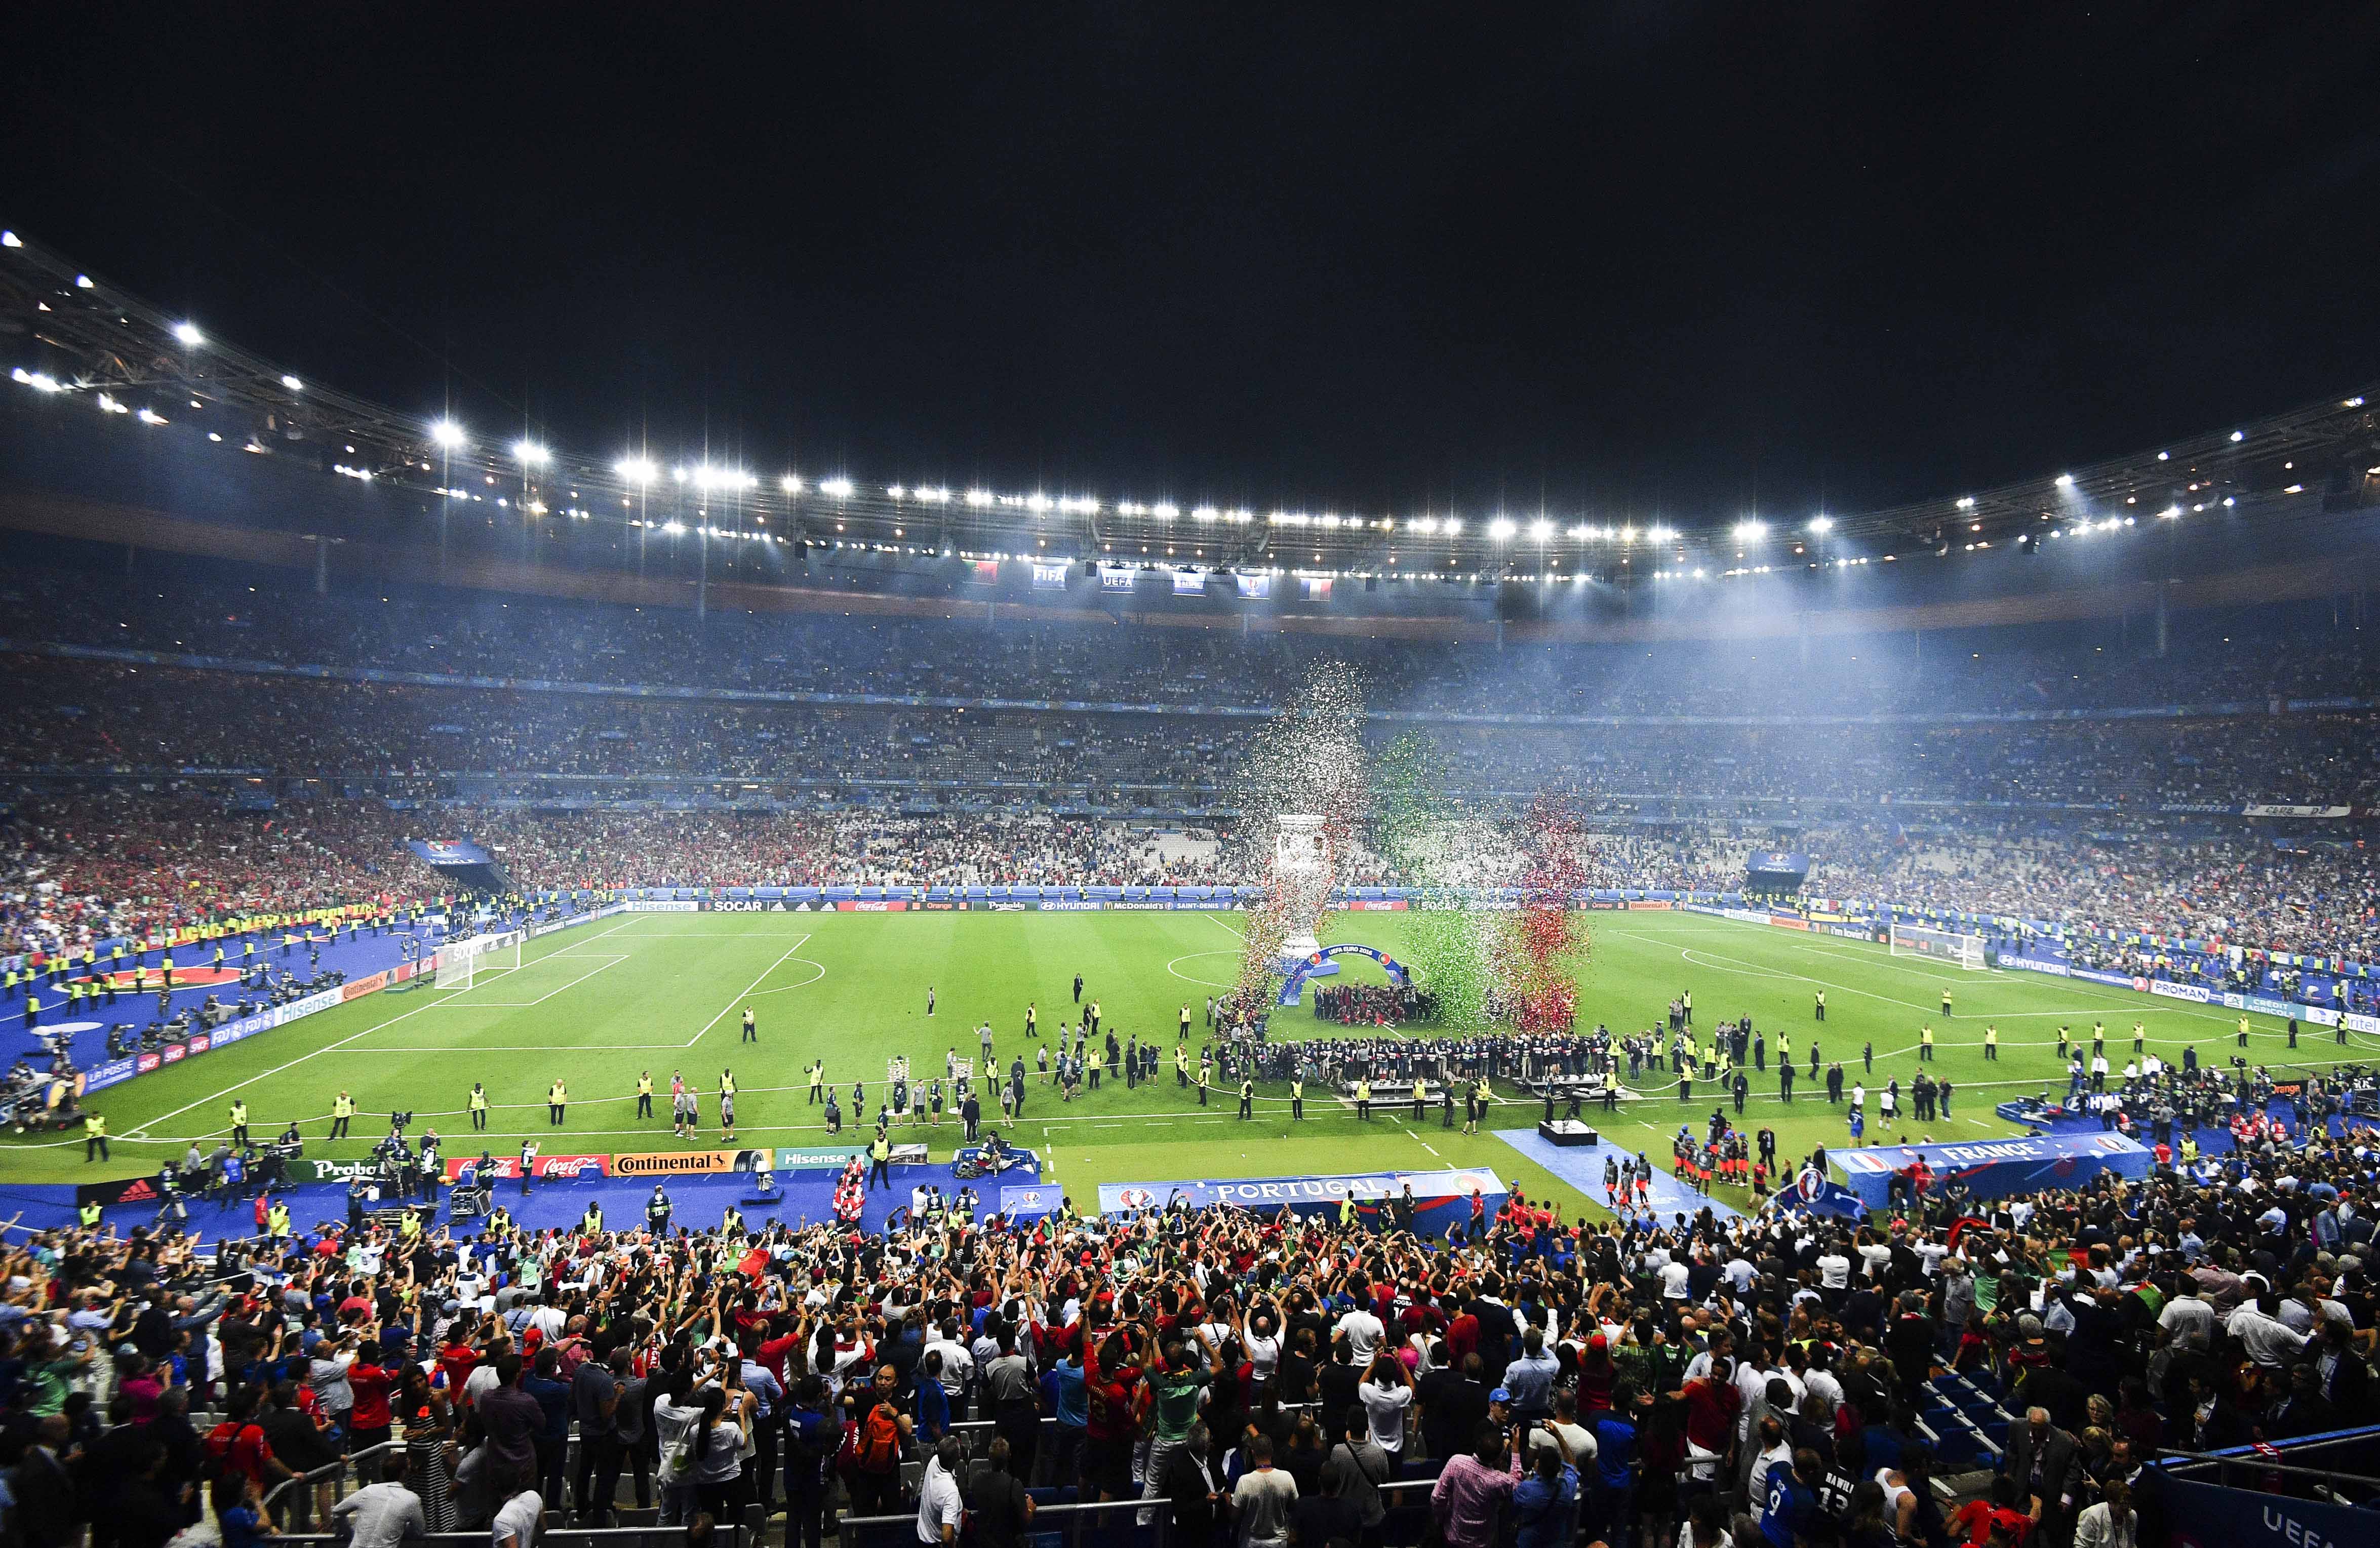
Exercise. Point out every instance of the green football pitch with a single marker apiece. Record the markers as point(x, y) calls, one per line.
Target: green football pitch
point(665, 992)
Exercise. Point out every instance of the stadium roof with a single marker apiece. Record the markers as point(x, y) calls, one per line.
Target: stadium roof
point(72, 332)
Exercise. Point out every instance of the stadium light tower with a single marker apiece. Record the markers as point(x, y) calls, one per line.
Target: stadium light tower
point(448, 436)
point(1822, 525)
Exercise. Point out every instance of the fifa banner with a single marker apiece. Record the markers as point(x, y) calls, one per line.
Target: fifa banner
point(1993, 1168)
point(1049, 578)
point(1442, 1199)
point(680, 1163)
point(555, 1168)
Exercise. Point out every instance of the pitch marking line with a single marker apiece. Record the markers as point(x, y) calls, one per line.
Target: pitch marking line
point(1752, 970)
point(1174, 968)
point(457, 1004)
point(747, 989)
point(2099, 994)
point(143, 1131)
point(789, 988)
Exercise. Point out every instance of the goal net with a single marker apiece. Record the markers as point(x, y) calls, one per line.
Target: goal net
point(461, 961)
point(1942, 945)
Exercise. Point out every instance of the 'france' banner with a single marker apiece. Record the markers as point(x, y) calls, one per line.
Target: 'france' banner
point(1189, 584)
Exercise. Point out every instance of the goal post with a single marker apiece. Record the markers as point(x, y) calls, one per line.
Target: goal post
point(455, 965)
point(1947, 946)
point(461, 961)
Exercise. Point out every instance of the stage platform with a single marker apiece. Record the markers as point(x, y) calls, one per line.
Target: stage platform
point(1583, 1169)
point(1567, 1134)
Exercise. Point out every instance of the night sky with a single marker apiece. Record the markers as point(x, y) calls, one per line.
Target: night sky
point(1668, 259)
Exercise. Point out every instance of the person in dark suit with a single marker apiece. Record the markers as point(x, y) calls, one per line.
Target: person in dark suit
point(1194, 1484)
point(1498, 1331)
point(2042, 1459)
point(44, 1492)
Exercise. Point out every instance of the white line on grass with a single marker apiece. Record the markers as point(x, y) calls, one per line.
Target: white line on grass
point(789, 988)
point(2098, 994)
point(747, 989)
point(524, 1004)
point(1174, 968)
point(529, 1048)
point(145, 1128)
point(1220, 925)
point(265, 1074)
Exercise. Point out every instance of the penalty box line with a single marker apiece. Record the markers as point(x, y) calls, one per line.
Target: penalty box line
point(458, 1004)
point(762, 978)
point(144, 1129)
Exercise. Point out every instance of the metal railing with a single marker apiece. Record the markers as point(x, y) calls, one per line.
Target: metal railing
point(297, 1496)
point(724, 1536)
point(1087, 1525)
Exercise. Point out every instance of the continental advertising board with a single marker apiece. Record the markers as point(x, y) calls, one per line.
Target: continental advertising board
point(686, 1164)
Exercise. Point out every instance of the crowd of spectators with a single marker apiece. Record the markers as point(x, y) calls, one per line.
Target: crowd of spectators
point(2244, 661)
point(113, 718)
point(82, 861)
point(155, 794)
point(1631, 1379)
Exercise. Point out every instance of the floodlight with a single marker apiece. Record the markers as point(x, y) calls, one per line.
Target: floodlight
point(839, 489)
point(447, 433)
point(188, 334)
point(528, 453)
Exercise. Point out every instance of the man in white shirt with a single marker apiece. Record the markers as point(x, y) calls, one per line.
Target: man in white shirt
point(1362, 1331)
point(940, 1510)
point(2269, 1341)
point(958, 1365)
point(386, 1513)
point(1580, 1439)
point(517, 1522)
point(548, 1320)
point(1674, 1275)
point(1384, 1405)
point(1834, 1270)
